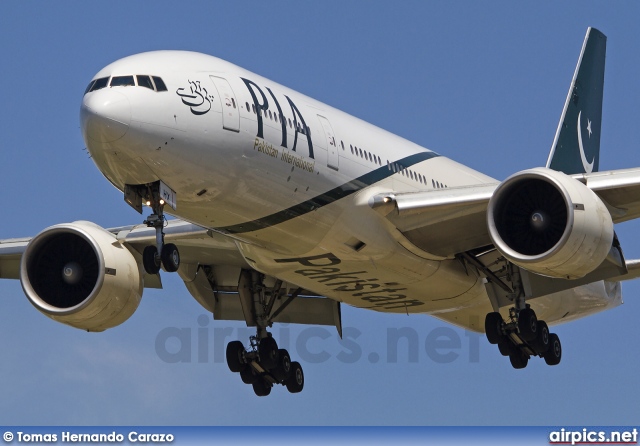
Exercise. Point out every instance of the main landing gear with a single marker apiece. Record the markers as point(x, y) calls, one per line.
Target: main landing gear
point(522, 337)
point(263, 364)
point(163, 254)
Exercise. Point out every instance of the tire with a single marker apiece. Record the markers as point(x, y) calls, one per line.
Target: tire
point(261, 388)
point(541, 343)
point(268, 351)
point(282, 370)
point(528, 324)
point(493, 327)
point(151, 266)
point(234, 355)
point(170, 258)
point(505, 347)
point(247, 376)
point(295, 383)
point(518, 359)
point(554, 353)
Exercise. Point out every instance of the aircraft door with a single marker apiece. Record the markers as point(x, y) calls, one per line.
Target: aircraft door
point(230, 111)
point(332, 145)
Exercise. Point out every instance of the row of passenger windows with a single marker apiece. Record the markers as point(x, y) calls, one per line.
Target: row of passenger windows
point(141, 80)
point(397, 168)
point(357, 151)
point(364, 154)
point(276, 117)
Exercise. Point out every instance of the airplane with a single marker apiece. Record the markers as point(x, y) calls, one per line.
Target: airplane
point(286, 208)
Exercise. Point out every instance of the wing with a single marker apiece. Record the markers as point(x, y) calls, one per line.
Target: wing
point(450, 221)
point(618, 189)
point(210, 266)
point(441, 222)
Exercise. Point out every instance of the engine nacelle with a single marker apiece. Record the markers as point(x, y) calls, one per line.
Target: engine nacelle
point(548, 223)
point(80, 275)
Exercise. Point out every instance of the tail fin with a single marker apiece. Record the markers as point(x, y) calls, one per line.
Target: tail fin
point(576, 146)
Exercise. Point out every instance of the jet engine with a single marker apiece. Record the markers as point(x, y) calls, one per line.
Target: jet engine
point(549, 223)
point(80, 275)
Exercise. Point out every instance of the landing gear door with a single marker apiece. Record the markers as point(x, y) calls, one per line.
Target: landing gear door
point(332, 145)
point(230, 111)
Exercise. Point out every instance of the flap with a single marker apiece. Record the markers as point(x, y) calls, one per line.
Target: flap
point(441, 222)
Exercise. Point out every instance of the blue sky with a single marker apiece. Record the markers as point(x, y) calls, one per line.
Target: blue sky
point(480, 82)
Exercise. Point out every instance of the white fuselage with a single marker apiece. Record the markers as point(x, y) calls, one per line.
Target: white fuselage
point(235, 148)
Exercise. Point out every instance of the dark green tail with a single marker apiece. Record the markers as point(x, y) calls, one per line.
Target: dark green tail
point(576, 146)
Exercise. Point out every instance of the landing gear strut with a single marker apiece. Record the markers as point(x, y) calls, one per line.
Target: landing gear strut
point(155, 195)
point(263, 364)
point(522, 337)
point(159, 254)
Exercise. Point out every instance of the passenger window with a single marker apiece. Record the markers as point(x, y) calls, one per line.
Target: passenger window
point(160, 86)
point(144, 81)
point(100, 83)
point(122, 81)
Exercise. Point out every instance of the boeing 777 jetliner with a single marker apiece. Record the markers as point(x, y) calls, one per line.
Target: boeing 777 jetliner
point(287, 208)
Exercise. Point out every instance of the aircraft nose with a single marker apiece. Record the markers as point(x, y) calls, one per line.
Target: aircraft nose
point(105, 115)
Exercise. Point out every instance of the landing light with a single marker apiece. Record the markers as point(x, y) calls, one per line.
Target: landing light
point(161, 202)
point(148, 203)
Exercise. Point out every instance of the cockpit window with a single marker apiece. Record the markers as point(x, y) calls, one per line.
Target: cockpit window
point(144, 81)
point(99, 83)
point(160, 86)
point(89, 86)
point(122, 81)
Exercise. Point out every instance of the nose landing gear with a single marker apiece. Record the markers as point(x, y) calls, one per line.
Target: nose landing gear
point(163, 254)
point(155, 195)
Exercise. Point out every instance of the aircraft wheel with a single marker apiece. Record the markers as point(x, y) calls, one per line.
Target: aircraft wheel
point(528, 324)
point(295, 383)
point(518, 359)
point(170, 257)
point(247, 376)
point(554, 353)
point(541, 343)
point(234, 353)
point(505, 347)
point(261, 388)
point(282, 370)
point(149, 260)
point(493, 327)
point(268, 351)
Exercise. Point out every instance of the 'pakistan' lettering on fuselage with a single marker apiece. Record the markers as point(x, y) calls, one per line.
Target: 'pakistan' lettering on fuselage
point(323, 270)
point(261, 104)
